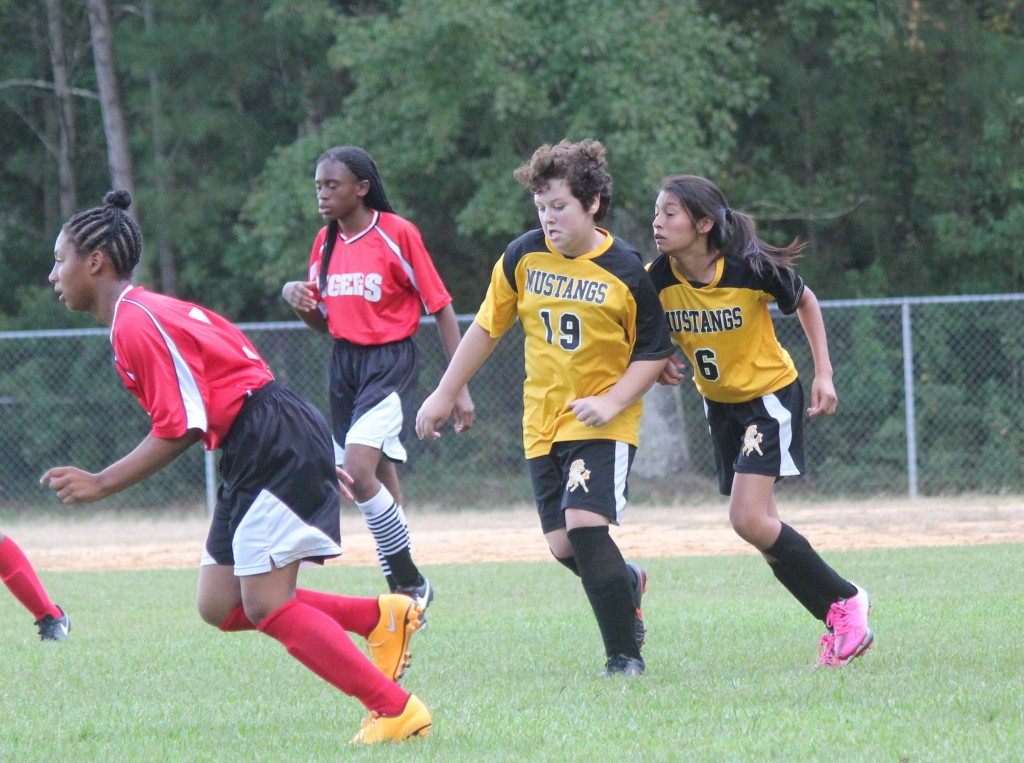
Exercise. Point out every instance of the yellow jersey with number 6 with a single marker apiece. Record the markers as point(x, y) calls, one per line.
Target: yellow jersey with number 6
point(725, 329)
point(586, 319)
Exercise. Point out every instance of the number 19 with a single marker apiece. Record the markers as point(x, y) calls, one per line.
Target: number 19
point(569, 330)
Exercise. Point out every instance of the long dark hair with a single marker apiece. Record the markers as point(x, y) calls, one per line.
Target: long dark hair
point(733, 234)
point(361, 165)
point(111, 229)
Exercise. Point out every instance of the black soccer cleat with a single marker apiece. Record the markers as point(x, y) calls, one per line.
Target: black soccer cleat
point(54, 628)
point(623, 665)
point(422, 594)
point(639, 589)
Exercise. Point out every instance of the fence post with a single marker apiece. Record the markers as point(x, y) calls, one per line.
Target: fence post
point(908, 398)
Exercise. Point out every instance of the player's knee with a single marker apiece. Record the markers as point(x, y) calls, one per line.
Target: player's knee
point(259, 606)
point(364, 485)
point(212, 613)
point(750, 529)
point(558, 543)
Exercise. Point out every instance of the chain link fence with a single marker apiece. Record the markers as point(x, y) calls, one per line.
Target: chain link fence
point(931, 402)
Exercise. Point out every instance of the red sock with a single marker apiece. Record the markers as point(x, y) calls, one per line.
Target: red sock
point(237, 621)
point(319, 643)
point(356, 615)
point(18, 575)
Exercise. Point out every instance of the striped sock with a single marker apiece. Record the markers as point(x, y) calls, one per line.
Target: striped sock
point(386, 522)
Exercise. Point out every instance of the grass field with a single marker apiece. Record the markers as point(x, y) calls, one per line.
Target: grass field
point(509, 665)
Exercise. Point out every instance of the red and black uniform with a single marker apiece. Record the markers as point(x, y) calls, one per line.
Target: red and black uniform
point(191, 369)
point(378, 284)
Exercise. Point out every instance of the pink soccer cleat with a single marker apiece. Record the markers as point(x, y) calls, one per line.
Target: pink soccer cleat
point(849, 635)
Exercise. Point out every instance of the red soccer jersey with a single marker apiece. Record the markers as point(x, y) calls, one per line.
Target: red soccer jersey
point(378, 282)
point(189, 367)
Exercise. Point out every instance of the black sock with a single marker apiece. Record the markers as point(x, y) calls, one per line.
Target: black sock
point(404, 571)
point(608, 585)
point(569, 562)
point(795, 584)
point(805, 574)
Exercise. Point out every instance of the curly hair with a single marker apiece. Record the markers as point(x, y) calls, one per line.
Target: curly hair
point(582, 165)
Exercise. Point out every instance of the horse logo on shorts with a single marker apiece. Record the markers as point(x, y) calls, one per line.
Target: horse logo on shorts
point(752, 440)
point(578, 476)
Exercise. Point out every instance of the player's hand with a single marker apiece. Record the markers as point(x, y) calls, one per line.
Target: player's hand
point(344, 480)
point(464, 411)
point(823, 397)
point(73, 485)
point(432, 415)
point(301, 295)
point(673, 372)
point(595, 411)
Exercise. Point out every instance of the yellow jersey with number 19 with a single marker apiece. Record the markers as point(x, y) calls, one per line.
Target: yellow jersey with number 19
point(725, 329)
point(586, 319)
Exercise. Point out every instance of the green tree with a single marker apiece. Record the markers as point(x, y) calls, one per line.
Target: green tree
point(450, 96)
point(892, 142)
point(236, 79)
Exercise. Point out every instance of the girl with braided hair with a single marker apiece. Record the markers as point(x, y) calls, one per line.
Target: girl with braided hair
point(715, 278)
point(370, 277)
point(199, 378)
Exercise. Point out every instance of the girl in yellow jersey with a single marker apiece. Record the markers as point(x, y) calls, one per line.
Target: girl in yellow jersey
point(595, 343)
point(715, 278)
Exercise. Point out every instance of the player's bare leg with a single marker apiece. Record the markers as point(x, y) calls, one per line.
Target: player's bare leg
point(750, 510)
point(387, 474)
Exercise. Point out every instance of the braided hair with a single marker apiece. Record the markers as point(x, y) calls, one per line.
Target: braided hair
point(111, 229)
point(733, 234)
point(360, 164)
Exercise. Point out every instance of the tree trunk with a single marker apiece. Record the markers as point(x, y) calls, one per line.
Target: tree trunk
point(65, 110)
point(165, 249)
point(118, 153)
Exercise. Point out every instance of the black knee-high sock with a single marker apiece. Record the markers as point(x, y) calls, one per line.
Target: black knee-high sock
point(606, 581)
point(568, 562)
point(805, 574)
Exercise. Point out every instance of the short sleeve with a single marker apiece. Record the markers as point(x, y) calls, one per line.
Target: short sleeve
point(498, 312)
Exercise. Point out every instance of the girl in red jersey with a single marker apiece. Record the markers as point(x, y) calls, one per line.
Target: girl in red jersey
point(370, 278)
point(715, 278)
point(199, 378)
point(21, 580)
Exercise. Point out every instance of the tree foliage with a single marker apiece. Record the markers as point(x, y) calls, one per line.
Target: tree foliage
point(450, 96)
point(889, 134)
point(892, 141)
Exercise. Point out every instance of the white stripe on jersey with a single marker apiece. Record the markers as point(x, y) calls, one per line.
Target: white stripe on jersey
point(406, 265)
point(195, 409)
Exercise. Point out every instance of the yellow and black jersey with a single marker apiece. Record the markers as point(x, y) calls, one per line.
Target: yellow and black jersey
point(585, 319)
point(725, 329)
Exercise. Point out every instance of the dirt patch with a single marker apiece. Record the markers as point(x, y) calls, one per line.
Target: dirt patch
point(159, 541)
